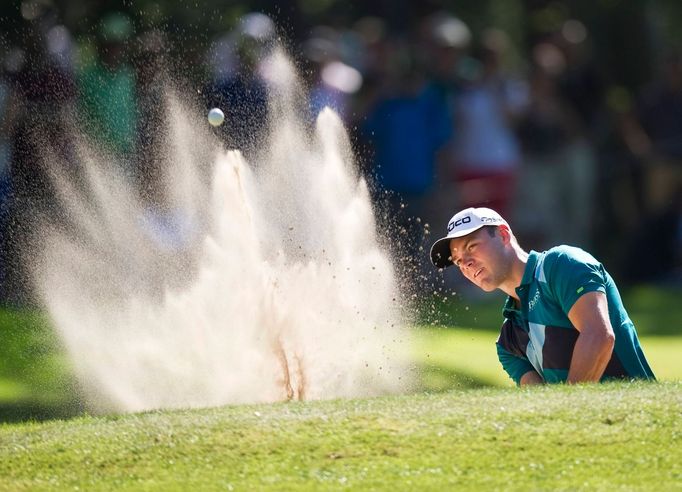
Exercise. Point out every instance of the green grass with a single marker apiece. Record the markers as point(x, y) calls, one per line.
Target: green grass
point(655, 311)
point(467, 429)
point(455, 358)
point(464, 357)
point(615, 436)
point(36, 383)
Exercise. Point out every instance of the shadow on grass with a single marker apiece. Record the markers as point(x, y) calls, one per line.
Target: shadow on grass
point(432, 379)
point(438, 379)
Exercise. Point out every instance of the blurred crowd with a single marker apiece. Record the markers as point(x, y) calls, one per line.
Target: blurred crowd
point(441, 118)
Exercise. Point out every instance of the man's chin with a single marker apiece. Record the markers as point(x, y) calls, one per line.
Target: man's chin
point(483, 285)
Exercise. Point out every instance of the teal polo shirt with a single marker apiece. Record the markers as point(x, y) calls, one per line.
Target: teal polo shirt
point(539, 336)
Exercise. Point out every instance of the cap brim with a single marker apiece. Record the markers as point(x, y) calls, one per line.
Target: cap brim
point(440, 253)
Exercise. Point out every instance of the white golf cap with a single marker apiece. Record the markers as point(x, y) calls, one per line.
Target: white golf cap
point(461, 224)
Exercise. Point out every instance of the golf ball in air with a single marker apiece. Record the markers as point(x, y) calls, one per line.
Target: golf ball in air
point(216, 117)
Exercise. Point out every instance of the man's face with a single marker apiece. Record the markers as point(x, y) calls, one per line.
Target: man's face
point(481, 258)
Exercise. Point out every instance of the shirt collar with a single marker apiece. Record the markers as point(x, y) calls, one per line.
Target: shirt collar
point(528, 275)
point(529, 272)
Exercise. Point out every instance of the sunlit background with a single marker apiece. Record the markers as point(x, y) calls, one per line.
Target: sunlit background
point(565, 116)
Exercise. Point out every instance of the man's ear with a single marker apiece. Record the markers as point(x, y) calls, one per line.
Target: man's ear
point(505, 233)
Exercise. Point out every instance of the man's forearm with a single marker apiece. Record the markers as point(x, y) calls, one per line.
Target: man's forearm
point(591, 355)
point(594, 346)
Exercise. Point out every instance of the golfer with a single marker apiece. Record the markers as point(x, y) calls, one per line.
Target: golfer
point(564, 318)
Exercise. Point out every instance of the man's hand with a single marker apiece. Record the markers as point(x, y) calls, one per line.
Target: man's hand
point(530, 378)
point(593, 348)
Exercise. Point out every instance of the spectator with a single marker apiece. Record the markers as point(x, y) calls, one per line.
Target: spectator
point(238, 87)
point(660, 114)
point(656, 137)
point(444, 43)
point(407, 126)
point(555, 193)
point(334, 82)
point(581, 81)
point(40, 97)
point(151, 84)
point(170, 227)
point(107, 82)
point(581, 90)
point(7, 108)
point(485, 152)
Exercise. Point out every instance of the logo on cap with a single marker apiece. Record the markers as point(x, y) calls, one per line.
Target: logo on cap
point(459, 222)
point(490, 219)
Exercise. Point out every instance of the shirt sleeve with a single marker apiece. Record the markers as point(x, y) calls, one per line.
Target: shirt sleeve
point(574, 274)
point(514, 365)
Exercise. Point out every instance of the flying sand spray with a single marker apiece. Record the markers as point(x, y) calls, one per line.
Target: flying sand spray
point(255, 282)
